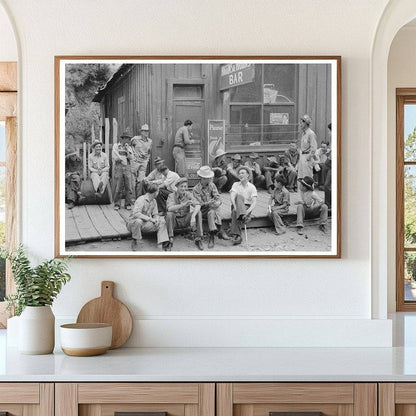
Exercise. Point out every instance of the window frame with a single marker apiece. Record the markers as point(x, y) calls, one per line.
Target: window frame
point(8, 110)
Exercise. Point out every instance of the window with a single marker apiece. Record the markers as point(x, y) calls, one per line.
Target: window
point(263, 112)
point(406, 200)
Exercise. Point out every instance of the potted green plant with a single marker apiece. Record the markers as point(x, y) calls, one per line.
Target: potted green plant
point(36, 289)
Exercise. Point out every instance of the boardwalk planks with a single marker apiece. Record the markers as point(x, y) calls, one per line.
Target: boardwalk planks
point(100, 222)
point(86, 229)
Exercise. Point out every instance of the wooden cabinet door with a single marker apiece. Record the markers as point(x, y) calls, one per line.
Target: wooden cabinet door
point(397, 399)
point(27, 399)
point(153, 399)
point(297, 399)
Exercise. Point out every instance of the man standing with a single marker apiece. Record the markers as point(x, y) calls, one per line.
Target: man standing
point(232, 170)
point(183, 137)
point(206, 193)
point(243, 201)
point(310, 205)
point(145, 219)
point(122, 155)
point(219, 166)
point(179, 213)
point(256, 177)
point(98, 166)
point(308, 148)
point(142, 146)
point(73, 169)
point(279, 204)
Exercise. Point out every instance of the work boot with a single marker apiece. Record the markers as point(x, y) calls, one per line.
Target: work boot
point(223, 235)
point(136, 245)
point(211, 240)
point(322, 227)
point(300, 230)
point(71, 205)
point(116, 207)
point(198, 243)
point(237, 240)
point(166, 245)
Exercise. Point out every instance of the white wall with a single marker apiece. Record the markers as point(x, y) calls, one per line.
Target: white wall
point(211, 302)
point(8, 46)
point(401, 74)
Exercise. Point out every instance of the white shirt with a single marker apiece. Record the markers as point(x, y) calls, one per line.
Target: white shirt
point(248, 192)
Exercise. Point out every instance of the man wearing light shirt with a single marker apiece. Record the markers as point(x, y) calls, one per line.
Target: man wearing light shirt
point(166, 187)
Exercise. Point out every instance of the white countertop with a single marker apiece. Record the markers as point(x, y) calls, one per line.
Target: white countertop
point(213, 364)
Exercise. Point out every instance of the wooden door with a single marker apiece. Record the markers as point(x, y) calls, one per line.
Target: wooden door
point(108, 399)
point(397, 399)
point(297, 399)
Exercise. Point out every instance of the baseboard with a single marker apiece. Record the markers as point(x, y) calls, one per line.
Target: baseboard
point(258, 332)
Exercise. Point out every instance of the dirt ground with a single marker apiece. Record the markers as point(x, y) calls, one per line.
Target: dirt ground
point(259, 239)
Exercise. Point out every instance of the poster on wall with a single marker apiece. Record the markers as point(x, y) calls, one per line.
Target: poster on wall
point(198, 157)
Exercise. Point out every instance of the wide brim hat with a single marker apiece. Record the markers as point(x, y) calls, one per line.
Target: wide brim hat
point(126, 135)
point(236, 157)
point(144, 127)
point(219, 153)
point(205, 172)
point(253, 155)
point(158, 160)
point(307, 119)
point(272, 160)
point(307, 181)
point(181, 180)
point(243, 168)
point(95, 143)
point(70, 151)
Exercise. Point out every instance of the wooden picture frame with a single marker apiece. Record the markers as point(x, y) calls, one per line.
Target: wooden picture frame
point(248, 106)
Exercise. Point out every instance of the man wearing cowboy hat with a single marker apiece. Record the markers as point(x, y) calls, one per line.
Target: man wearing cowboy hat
point(219, 166)
point(271, 171)
point(243, 201)
point(310, 205)
point(98, 166)
point(179, 213)
point(256, 177)
point(142, 146)
point(73, 169)
point(308, 146)
point(144, 218)
point(122, 155)
point(232, 170)
point(155, 176)
point(206, 193)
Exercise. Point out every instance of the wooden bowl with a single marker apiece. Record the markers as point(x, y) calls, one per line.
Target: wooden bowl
point(84, 340)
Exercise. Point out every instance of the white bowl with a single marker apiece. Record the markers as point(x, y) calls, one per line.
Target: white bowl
point(83, 340)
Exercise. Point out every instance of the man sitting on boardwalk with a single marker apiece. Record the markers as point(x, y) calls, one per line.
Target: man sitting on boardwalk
point(145, 219)
point(166, 187)
point(310, 205)
point(179, 213)
point(232, 170)
point(271, 170)
point(206, 193)
point(155, 176)
point(219, 166)
point(243, 201)
point(279, 204)
point(73, 170)
point(256, 177)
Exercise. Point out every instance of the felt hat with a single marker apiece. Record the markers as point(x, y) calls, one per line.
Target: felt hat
point(273, 161)
point(243, 168)
point(181, 180)
point(253, 155)
point(144, 127)
point(70, 151)
point(307, 181)
point(126, 134)
point(306, 119)
point(236, 157)
point(95, 143)
point(205, 172)
point(158, 160)
point(219, 153)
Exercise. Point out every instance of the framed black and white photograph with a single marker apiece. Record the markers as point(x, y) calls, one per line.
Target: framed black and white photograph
point(198, 156)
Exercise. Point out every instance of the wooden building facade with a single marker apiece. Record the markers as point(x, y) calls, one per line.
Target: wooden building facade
point(260, 113)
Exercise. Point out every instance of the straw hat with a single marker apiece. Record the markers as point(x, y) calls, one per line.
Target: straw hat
point(205, 172)
point(219, 153)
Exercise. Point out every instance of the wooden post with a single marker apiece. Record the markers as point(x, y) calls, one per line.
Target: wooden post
point(115, 131)
point(92, 133)
point(84, 160)
point(107, 137)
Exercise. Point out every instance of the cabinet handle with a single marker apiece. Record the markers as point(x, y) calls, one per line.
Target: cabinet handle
point(296, 414)
point(138, 414)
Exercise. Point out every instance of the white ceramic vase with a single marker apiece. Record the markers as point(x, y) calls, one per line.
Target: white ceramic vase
point(37, 330)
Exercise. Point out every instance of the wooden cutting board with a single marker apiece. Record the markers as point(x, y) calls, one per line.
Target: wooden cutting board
point(107, 309)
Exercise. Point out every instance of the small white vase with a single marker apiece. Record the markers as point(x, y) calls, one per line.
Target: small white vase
point(37, 330)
